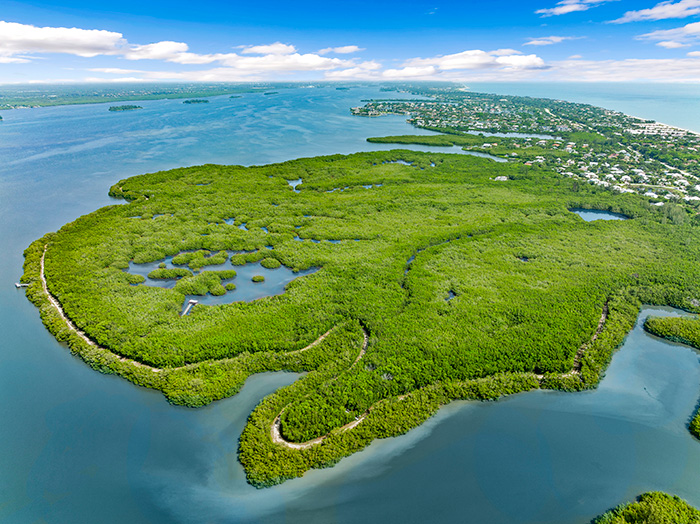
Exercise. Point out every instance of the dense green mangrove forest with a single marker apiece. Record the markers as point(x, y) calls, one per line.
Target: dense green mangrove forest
point(652, 508)
point(440, 277)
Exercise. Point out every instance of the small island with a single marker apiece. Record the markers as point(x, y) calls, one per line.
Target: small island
point(652, 508)
point(125, 108)
point(195, 101)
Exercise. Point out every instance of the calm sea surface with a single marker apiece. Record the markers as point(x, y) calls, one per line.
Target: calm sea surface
point(673, 104)
point(77, 446)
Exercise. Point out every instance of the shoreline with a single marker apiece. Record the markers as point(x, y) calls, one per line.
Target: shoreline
point(104, 360)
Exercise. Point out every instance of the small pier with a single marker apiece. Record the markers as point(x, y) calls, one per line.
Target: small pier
point(20, 284)
point(191, 303)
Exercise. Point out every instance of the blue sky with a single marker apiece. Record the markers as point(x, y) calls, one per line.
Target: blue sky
point(543, 40)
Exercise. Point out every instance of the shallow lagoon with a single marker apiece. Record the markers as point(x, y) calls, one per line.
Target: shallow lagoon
point(246, 290)
point(589, 215)
point(86, 447)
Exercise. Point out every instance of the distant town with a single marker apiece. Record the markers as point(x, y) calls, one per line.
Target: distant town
point(607, 148)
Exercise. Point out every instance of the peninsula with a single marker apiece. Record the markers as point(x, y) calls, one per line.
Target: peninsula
point(22, 96)
point(440, 277)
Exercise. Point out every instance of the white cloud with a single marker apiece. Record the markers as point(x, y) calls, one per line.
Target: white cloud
point(478, 59)
point(501, 52)
point(670, 44)
point(19, 40)
point(570, 6)
point(114, 70)
point(662, 11)
point(24, 39)
point(277, 48)
point(575, 57)
point(120, 80)
point(410, 72)
point(362, 71)
point(159, 51)
point(13, 60)
point(519, 67)
point(516, 62)
point(549, 40)
point(673, 38)
point(342, 50)
point(503, 63)
point(290, 62)
point(22, 43)
point(217, 74)
point(652, 70)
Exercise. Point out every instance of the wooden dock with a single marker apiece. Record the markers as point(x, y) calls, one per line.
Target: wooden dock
point(191, 303)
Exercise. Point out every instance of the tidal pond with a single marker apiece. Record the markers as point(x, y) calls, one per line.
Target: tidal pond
point(246, 290)
point(589, 215)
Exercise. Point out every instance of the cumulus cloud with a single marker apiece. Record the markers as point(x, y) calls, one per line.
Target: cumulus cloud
point(410, 72)
point(448, 67)
point(473, 66)
point(159, 51)
point(114, 70)
point(19, 43)
point(363, 71)
point(177, 52)
point(549, 40)
point(289, 62)
point(570, 6)
point(670, 70)
point(670, 44)
point(119, 80)
point(342, 50)
point(662, 11)
point(478, 59)
point(277, 48)
point(19, 39)
point(13, 60)
point(673, 38)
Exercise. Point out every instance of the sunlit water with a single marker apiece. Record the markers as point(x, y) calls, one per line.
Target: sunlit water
point(589, 215)
point(78, 446)
point(246, 290)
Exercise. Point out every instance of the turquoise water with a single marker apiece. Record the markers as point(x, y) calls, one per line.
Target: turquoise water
point(78, 446)
point(673, 104)
point(246, 290)
point(589, 215)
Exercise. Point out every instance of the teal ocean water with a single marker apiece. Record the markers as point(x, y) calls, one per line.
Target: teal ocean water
point(674, 104)
point(78, 446)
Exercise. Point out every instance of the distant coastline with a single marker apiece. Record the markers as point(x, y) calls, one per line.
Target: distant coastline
point(27, 97)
